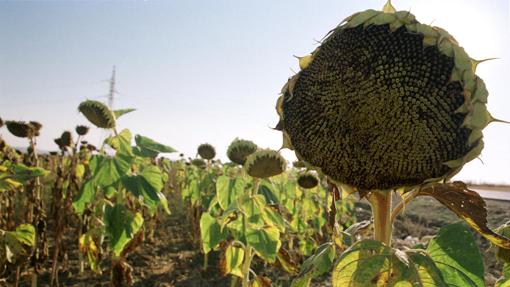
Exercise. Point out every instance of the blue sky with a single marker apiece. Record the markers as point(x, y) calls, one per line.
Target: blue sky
point(209, 71)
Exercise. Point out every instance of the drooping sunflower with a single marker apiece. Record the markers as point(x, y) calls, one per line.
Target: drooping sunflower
point(98, 113)
point(23, 129)
point(81, 130)
point(240, 149)
point(206, 151)
point(385, 102)
point(307, 180)
point(265, 163)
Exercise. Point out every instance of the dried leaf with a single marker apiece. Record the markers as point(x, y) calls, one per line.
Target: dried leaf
point(287, 262)
point(468, 205)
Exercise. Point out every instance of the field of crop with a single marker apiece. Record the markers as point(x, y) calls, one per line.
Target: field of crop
point(120, 216)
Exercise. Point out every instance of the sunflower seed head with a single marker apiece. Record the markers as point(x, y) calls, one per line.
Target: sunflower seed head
point(206, 151)
point(265, 163)
point(98, 114)
point(240, 149)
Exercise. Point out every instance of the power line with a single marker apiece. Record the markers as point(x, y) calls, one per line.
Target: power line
point(112, 90)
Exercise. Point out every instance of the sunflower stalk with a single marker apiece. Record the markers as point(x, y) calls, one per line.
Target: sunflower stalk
point(381, 211)
point(246, 266)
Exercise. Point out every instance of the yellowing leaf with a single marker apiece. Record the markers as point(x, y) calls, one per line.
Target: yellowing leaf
point(233, 260)
point(468, 205)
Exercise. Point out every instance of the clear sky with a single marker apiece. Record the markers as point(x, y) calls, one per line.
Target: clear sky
point(210, 71)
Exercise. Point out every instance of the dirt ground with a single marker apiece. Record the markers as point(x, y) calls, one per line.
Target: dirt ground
point(172, 260)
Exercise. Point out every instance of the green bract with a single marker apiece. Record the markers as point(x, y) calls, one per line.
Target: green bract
point(385, 102)
point(265, 163)
point(98, 114)
point(240, 149)
point(206, 151)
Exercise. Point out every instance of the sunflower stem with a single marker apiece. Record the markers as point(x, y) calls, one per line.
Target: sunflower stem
point(381, 211)
point(246, 266)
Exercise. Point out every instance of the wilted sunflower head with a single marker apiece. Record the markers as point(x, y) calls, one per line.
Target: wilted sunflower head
point(23, 129)
point(98, 113)
point(36, 127)
point(66, 139)
point(82, 130)
point(307, 180)
point(206, 151)
point(265, 163)
point(385, 102)
point(198, 162)
point(58, 142)
point(240, 149)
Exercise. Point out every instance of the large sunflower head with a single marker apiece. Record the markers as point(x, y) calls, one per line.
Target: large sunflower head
point(385, 102)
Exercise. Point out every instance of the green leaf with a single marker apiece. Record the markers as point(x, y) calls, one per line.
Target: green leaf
point(504, 281)
point(108, 171)
point(145, 143)
point(236, 228)
point(273, 218)
point(16, 246)
point(229, 189)
point(21, 172)
point(119, 113)
point(268, 193)
point(306, 246)
point(317, 264)
point(253, 207)
point(302, 281)
point(192, 191)
point(425, 268)
point(210, 232)
point(234, 257)
point(121, 226)
point(13, 175)
point(455, 253)
point(86, 195)
point(143, 152)
point(148, 185)
point(371, 263)
point(503, 253)
point(265, 241)
point(25, 234)
point(121, 142)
